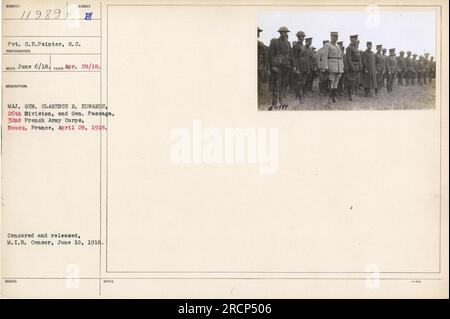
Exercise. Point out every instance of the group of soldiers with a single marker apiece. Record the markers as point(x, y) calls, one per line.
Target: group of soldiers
point(283, 68)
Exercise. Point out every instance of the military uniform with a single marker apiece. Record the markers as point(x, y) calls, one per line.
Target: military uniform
point(303, 64)
point(369, 71)
point(420, 70)
point(401, 68)
point(341, 83)
point(281, 62)
point(380, 64)
point(426, 65)
point(391, 68)
point(311, 73)
point(314, 67)
point(415, 69)
point(385, 80)
point(293, 74)
point(323, 76)
point(263, 67)
point(409, 69)
point(352, 66)
point(432, 71)
point(333, 63)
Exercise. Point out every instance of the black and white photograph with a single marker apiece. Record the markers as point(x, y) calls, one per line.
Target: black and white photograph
point(364, 59)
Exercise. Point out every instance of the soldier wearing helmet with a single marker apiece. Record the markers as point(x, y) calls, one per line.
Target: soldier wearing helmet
point(281, 62)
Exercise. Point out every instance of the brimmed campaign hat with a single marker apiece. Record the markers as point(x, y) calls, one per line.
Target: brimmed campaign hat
point(283, 29)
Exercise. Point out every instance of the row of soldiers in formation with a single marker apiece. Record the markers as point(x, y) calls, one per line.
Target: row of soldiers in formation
point(282, 68)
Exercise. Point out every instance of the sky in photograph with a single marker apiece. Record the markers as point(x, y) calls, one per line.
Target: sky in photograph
point(403, 30)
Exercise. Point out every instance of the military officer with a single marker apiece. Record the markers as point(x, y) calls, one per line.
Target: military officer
point(313, 68)
point(359, 84)
point(353, 65)
point(333, 64)
point(386, 58)
point(420, 70)
point(263, 66)
point(414, 66)
point(426, 62)
point(380, 64)
point(302, 61)
point(281, 62)
point(323, 77)
point(341, 83)
point(401, 66)
point(432, 73)
point(292, 74)
point(392, 69)
point(310, 76)
point(409, 68)
point(369, 71)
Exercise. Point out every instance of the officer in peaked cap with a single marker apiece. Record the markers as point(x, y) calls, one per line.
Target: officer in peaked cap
point(409, 68)
point(263, 68)
point(391, 69)
point(340, 87)
point(310, 51)
point(333, 63)
point(421, 72)
point(401, 68)
point(323, 76)
point(380, 67)
point(385, 75)
point(301, 60)
point(432, 74)
point(426, 67)
point(369, 70)
point(353, 65)
point(413, 69)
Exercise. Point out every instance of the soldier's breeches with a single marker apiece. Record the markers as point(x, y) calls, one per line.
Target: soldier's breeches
point(390, 81)
point(351, 78)
point(334, 79)
point(412, 77)
point(400, 77)
point(279, 82)
point(380, 79)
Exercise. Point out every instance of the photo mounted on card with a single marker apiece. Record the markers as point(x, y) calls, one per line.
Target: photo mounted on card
point(224, 149)
point(361, 58)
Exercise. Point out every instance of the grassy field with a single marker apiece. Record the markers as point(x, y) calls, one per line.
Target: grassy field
point(402, 98)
